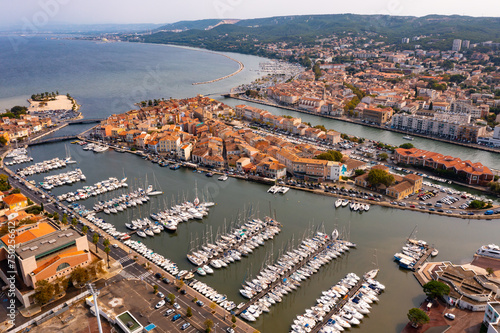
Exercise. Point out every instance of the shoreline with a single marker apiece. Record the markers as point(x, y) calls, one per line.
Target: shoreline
point(241, 65)
point(321, 192)
point(472, 146)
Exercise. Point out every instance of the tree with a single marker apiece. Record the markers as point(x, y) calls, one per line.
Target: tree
point(14, 191)
point(406, 145)
point(431, 106)
point(379, 176)
point(56, 216)
point(107, 250)
point(213, 306)
point(436, 289)
point(80, 276)
point(208, 324)
point(155, 288)
point(330, 155)
point(85, 229)
point(383, 156)
point(476, 204)
point(490, 271)
point(418, 317)
point(233, 319)
point(65, 219)
point(74, 221)
point(171, 298)
point(95, 240)
point(44, 291)
point(189, 312)
point(359, 172)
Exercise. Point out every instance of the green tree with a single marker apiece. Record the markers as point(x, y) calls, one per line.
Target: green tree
point(14, 191)
point(107, 250)
point(85, 229)
point(213, 306)
point(74, 221)
point(436, 289)
point(330, 155)
point(233, 319)
point(189, 312)
point(155, 288)
point(490, 271)
point(171, 298)
point(56, 216)
point(44, 291)
point(418, 317)
point(476, 204)
point(378, 176)
point(359, 172)
point(406, 145)
point(65, 219)
point(95, 240)
point(383, 156)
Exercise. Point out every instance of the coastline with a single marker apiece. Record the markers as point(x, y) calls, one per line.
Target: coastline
point(241, 65)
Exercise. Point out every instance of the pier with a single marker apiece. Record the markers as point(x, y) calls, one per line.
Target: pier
point(284, 276)
point(339, 305)
point(423, 258)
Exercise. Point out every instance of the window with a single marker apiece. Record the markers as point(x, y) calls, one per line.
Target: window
point(62, 266)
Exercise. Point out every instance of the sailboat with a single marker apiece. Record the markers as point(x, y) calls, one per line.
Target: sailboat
point(150, 190)
point(68, 159)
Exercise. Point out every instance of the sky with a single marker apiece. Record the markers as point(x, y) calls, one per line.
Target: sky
point(39, 13)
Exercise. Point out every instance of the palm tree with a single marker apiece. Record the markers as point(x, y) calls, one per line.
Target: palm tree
point(107, 250)
point(95, 240)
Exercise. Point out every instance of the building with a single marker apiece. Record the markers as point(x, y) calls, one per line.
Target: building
point(457, 45)
point(271, 168)
point(376, 115)
point(465, 44)
point(492, 317)
point(43, 252)
point(16, 201)
point(468, 289)
point(410, 184)
point(468, 172)
point(493, 141)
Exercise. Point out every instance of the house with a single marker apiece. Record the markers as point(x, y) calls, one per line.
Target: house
point(16, 201)
point(410, 184)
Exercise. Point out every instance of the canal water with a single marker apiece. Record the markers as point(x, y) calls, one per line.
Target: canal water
point(381, 231)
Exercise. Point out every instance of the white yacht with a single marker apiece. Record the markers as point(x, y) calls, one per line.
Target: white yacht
point(490, 250)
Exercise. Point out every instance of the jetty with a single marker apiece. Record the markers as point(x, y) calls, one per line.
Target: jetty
point(227, 76)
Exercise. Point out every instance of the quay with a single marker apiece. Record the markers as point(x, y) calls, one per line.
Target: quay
point(339, 305)
point(285, 276)
point(469, 145)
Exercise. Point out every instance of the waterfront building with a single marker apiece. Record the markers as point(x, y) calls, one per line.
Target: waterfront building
point(492, 317)
point(410, 184)
point(493, 141)
point(377, 115)
point(468, 172)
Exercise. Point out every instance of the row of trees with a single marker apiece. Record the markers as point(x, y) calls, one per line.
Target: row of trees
point(44, 96)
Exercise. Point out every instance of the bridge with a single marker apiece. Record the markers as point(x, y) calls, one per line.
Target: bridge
point(85, 121)
point(51, 140)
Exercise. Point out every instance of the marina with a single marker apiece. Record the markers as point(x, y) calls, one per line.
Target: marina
point(285, 275)
point(342, 306)
point(110, 184)
point(40, 167)
point(232, 246)
point(66, 178)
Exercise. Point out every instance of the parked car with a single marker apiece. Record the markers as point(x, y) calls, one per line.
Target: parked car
point(169, 312)
point(185, 325)
point(177, 316)
point(450, 316)
point(176, 306)
point(160, 304)
point(200, 303)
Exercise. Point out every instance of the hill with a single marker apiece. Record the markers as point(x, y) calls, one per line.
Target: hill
point(243, 35)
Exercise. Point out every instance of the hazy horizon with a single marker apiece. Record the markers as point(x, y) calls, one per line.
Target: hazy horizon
point(39, 13)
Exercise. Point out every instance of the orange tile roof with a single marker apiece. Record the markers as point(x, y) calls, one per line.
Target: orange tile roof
point(55, 259)
point(14, 198)
point(24, 236)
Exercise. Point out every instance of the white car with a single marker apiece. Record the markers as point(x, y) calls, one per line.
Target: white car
point(450, 316)
point(160, 304)
point(160, 294)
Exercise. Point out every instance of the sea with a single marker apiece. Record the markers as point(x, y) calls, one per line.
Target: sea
point(108, 78)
